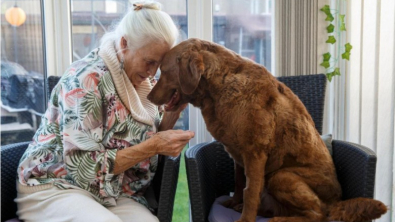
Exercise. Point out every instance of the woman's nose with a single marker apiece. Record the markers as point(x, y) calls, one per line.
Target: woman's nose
point(152, 71)
point(149, 72)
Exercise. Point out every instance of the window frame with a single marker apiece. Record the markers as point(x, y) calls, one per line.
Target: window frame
point(57, 25)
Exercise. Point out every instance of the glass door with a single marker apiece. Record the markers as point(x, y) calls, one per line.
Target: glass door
point(22, 70)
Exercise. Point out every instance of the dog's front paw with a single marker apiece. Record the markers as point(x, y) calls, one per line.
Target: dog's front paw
point(231, 203)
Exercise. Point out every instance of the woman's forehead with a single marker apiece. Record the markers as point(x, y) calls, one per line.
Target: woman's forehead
point(154, 50)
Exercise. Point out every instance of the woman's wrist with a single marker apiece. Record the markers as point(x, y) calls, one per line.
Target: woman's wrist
point(132, 155)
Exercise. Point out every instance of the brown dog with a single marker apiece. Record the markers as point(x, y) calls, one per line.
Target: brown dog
point(267, 131)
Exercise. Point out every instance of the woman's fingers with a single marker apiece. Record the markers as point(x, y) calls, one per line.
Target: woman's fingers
point(184, 135)
point(176, 135)
point(172, 142)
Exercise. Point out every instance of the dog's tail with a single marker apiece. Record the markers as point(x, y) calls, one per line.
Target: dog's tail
point(356, 210)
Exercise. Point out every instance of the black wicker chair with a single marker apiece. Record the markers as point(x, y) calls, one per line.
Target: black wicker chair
point(210, 170)
point(164, 184)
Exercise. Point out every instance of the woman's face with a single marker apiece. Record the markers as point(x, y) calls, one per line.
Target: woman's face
point(144, 62)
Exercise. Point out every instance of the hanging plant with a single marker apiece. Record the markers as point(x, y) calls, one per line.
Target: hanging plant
point(333, 29)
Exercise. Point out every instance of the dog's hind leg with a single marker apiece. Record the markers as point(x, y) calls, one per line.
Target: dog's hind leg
point(270, 207)
point(302, 204)
point(254, 167)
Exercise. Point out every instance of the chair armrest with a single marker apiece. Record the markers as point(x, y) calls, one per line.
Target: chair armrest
point(10, 157)
point(168, 186)
point(355, 168)
point(210, 173)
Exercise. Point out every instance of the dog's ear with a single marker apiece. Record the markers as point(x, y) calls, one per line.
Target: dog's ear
point(191, 69)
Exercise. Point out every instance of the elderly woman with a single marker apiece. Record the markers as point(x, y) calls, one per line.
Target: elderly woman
point(96, 150)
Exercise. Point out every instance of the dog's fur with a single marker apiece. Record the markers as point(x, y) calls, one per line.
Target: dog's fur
point(289, 172)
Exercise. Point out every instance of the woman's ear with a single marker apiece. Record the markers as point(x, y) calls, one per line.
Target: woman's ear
point(191, 70)
point(124, 43)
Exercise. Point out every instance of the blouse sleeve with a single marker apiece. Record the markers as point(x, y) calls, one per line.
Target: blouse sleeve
point(89, 164)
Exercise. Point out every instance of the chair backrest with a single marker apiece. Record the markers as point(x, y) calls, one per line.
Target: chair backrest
point(51, 83)
point(311, 91)
point(10, 156)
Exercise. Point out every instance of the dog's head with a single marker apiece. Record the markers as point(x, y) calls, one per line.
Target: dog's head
point(181, 70)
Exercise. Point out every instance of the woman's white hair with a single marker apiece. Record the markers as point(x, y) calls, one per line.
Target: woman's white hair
point(143, 23)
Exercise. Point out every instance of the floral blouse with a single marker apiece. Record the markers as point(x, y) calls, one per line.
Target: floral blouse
point(84, 126)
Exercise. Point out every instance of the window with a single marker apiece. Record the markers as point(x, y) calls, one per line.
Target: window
point(244, 27)
point(22, 70)
point(91, 19)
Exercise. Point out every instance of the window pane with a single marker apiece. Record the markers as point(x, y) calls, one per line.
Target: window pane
point(22, 68)
point(244, 27)
point(92, 18)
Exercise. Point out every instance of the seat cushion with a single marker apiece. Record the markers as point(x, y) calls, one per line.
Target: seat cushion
point(219, 213)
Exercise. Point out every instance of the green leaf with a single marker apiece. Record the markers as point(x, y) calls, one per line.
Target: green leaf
point(91, 104)
point(331, 39)
point(348, 47)
point(327, 11)
point(325, 64)
point(346, 55)
point(336, 72)
point(342, 24)
point(327, 56)
point(329, 18)
point(342, 27)
point(341, 17)
point(330, 28)
point(329, 76)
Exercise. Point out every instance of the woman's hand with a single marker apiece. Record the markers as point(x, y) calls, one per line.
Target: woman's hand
point(171, 142)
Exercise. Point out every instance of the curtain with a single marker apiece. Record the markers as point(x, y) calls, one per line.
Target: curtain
point(370, 89)
point(299, 38)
